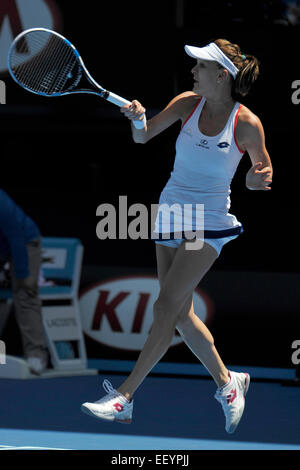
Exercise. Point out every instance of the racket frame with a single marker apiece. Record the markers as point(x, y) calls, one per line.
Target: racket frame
point(102, 92)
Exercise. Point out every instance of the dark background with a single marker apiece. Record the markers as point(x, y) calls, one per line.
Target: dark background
point(62, 158)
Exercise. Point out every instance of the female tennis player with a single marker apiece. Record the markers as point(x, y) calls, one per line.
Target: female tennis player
point(216, 131)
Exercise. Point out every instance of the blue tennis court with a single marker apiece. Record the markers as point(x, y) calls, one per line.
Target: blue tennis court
point(170, 413)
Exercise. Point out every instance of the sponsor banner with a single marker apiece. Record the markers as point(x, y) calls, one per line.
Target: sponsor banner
point(253, 316)
point(61, 323)
point(118, 312)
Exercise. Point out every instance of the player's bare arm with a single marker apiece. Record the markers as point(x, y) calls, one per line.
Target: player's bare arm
point(251, 138)
point(177, 109)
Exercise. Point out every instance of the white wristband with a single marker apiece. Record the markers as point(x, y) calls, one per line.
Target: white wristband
point(140, 124)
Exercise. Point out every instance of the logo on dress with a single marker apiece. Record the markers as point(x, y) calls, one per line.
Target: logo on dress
point(203, 143)
point(223, 145)
point(188, 131)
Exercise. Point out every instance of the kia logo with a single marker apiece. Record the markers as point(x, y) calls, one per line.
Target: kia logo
point(118, 312)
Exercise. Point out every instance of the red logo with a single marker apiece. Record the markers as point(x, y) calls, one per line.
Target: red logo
point(232, 396)
point(118, 407)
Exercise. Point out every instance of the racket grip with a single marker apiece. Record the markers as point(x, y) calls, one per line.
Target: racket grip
point(119, 101)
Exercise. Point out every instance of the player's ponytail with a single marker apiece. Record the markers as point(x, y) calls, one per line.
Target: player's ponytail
point(247, 64)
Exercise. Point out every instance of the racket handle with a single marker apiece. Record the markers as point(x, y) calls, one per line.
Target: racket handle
point(119, 101)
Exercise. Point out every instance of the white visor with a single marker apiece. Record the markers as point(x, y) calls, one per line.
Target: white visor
point(212, 52)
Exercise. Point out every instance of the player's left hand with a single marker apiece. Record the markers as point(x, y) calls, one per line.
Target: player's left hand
point(259, 178)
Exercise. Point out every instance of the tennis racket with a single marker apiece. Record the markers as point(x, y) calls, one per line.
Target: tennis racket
point(47, 64)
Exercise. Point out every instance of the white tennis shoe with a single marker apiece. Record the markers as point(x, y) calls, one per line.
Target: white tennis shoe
point(232, 398)
point(112, 407)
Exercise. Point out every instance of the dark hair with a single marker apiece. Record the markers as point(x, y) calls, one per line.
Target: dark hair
point(248, 66)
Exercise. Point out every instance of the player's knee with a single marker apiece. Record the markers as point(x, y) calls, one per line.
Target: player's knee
point(187, 326)
point(165, 309)
point(184, 318)
point(183, 321)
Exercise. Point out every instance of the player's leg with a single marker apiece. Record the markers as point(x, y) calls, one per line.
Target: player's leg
point(184, 274)
point(172, 308)
point(187, 269)
point(232, 386)
point(200, 341)
point(193, 331)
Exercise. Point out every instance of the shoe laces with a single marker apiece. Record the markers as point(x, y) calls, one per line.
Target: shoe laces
point(110, 390)
point(108, 387)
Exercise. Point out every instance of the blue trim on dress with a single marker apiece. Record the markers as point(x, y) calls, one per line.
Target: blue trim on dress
point(207, 234)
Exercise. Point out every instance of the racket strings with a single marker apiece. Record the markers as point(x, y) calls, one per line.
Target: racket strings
point(44, 72)
point(50, 67)
point(31, 69)
point(27, 67)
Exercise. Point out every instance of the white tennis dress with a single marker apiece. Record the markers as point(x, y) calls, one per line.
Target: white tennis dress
point(203, 170)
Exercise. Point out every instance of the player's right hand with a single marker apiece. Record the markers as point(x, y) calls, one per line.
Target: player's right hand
point(134, 111)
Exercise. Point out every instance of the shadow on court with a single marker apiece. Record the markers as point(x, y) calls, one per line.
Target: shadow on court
point(164, 407)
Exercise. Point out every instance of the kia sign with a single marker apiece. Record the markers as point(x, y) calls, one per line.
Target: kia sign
point(18, 15)
point(118, 312)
